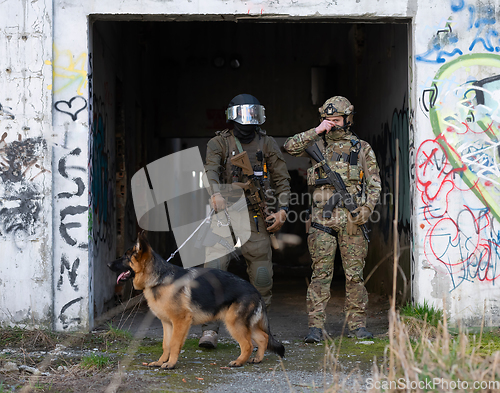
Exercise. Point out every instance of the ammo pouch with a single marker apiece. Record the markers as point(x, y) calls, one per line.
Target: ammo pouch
point(314, 173)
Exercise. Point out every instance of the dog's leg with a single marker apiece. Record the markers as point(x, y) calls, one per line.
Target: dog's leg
point(180, 329)
point(260, 337)
point(167, 334)
point(241, 333)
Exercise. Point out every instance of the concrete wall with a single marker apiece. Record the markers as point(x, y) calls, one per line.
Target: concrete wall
point(26, 173)
point(47, 156)
point(456, 173)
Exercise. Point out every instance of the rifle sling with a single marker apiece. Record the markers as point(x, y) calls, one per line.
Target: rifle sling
point(323, 228)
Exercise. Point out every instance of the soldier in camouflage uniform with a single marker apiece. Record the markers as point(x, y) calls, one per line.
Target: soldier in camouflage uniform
point(355, 161)
point(246, 114)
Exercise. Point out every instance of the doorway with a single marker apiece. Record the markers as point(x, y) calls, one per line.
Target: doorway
point(158, 87)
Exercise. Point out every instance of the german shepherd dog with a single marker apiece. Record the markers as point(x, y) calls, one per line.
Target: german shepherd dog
point(183, 297)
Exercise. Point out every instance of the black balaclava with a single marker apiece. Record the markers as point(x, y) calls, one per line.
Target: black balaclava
point(244, 132)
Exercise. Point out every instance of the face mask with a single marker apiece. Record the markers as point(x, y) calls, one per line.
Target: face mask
point(245, 133)
point(336, 133)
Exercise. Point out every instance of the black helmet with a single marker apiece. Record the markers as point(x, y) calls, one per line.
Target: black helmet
point(245, 109)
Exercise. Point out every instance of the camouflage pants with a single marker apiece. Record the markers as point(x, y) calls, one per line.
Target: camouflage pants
point(258, 256)
point(353, 250)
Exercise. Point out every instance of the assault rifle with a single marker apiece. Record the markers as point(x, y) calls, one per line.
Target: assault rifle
point(256, 197)
point(341, 193)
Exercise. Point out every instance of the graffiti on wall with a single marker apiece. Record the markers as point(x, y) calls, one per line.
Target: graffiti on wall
point(68, 71)
point(458, 170)
point(72, 107)
point(70, 215)
point(102, 198)
point(395, 129)
point(71, 203)
point(5, 112)
point(478, 20)
point(20, 165)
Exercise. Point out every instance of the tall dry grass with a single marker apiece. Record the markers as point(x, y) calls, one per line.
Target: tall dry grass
point(437, 362)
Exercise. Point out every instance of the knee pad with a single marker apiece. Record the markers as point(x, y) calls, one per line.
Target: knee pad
point(262, 277)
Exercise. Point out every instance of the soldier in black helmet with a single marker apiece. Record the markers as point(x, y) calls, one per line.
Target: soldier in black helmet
point(245, 115)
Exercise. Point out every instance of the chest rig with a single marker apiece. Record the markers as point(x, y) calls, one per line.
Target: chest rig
point(257, 156)
point(345, 157)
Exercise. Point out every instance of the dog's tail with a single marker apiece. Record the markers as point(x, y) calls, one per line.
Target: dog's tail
point(272, 344)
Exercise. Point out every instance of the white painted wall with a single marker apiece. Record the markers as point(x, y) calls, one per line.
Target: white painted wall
point(45, 251)
point(25, 163)
point(457, 242)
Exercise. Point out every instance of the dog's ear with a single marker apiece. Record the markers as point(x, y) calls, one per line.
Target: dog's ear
point(142, 244)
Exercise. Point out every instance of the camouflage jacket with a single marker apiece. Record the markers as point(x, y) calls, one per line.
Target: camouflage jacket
point(218, 162)
point(366, 194)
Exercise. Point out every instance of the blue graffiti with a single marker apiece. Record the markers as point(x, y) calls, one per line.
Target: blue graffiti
point(444, 44)
point(457, 6)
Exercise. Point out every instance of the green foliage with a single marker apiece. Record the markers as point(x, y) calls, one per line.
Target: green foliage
point(485, 344)
point(95, 361)
point(118, 334)
point(424, 312)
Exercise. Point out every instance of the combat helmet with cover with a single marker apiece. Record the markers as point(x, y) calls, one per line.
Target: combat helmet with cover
point(338, 106)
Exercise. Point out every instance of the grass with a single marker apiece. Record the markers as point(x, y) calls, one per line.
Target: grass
point(416, 316)
point(349, 348)
point(437, 360)
point(154, 349)
point(118, 334)
point(95, 361)
point(425, 312)
point(18, 337)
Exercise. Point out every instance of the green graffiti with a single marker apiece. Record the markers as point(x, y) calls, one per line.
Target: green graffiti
point(446, 122)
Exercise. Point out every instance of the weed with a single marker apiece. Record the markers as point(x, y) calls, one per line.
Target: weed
point(424, 312)
point(35, 338)
point(436, 360)
point(118, 334)
point(95, 361)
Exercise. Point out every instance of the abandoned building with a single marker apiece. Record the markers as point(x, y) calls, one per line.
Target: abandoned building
point(94, 91)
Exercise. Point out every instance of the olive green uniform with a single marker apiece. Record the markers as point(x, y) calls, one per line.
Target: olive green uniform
point(322, 245)
point(257, 250)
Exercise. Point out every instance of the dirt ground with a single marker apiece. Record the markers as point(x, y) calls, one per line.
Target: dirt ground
point(306, 367)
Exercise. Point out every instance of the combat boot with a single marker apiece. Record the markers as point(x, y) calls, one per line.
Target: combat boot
point(208, 339)
point(315, 335)
point(360, 332)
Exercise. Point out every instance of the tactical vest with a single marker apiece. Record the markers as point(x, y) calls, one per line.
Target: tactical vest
point(233, 147)
point(347, 159)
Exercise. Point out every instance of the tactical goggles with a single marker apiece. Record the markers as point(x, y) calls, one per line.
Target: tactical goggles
point(246, 114)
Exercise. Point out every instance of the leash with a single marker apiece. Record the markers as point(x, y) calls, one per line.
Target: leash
point(192, 234)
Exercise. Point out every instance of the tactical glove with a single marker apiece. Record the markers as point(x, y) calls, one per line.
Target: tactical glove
point(351, 227)
point(364, 213)
point(217, 202)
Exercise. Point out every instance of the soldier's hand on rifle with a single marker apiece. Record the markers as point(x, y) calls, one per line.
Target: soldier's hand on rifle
point(325, 126)
point(217, 202)
point(351, 227)
point(279, 219)
point(363, 215)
